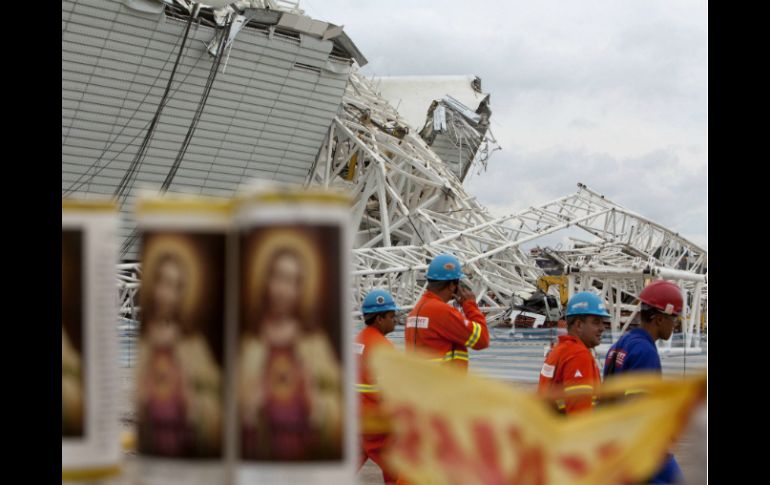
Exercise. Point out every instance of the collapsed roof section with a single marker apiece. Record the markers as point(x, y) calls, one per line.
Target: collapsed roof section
point(459, 136)
point(451, 113)
point(285, 88)
point(410, 207)
point(150, 100)
point(411, 96)
point(282, 15)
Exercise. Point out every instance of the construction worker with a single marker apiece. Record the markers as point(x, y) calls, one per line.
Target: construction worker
point(570, 365)
point(661, 305)
point(435, 328)
point(379, 310)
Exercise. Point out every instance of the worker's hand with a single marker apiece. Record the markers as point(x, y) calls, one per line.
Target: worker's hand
point(463, 294)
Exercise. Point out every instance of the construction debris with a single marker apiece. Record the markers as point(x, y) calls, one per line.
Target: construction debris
point(406, 176)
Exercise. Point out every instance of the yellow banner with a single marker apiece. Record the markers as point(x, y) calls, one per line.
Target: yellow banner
point(453, 428)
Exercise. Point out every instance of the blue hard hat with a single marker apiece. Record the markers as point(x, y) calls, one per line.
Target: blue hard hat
point(377, 301)
point(444, 267)
point(586, 303)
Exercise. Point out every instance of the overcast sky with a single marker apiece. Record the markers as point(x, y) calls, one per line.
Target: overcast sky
point(613, 94)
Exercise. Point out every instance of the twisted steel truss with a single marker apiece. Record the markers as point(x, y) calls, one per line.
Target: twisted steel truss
point(410, 206)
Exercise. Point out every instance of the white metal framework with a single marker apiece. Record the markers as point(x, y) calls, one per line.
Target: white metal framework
point(619, 287)
point(129, 279)
point(410, 206)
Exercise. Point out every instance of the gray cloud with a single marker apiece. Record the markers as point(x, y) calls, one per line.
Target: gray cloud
point(532, 48)
point(583, 123)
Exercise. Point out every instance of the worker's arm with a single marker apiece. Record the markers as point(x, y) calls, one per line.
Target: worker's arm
point(480, 338)
point(469, 330)
point(479, 325)
point(547, 373)
point(579, 383)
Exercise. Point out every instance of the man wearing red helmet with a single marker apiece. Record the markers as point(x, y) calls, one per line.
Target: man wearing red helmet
point(635, 351)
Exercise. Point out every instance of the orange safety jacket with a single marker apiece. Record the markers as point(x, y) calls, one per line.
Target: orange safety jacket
point(368, 339)
point(372, 444)
point(437, 329)
point(570, 367)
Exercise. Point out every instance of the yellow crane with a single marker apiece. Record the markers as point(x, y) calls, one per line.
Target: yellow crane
point(545, 282)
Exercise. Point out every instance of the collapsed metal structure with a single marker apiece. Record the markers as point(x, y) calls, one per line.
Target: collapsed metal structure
point(458, 135)
point(410, 205)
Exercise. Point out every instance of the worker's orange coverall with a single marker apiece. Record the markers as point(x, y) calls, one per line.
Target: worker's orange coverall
point(371, 444)
point(437, 329)
point(570, 367)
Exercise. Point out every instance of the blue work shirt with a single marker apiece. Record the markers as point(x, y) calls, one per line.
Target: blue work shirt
point(633, 351)
point(636, 351)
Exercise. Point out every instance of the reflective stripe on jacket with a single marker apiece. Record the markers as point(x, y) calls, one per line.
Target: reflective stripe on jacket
point(368, 339)
point(570, 367)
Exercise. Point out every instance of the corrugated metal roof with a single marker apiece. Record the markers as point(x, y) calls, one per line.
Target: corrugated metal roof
point(456, 157)
point(267, 115)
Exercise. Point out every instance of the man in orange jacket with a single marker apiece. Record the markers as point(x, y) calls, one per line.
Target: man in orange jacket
point(437, 329)
point(379, 311)
point(570, 365)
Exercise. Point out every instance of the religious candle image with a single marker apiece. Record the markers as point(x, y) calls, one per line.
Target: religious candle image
point(289, 384)
point(179, 372)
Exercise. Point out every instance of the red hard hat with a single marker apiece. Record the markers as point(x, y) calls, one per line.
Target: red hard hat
point(663, 295)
